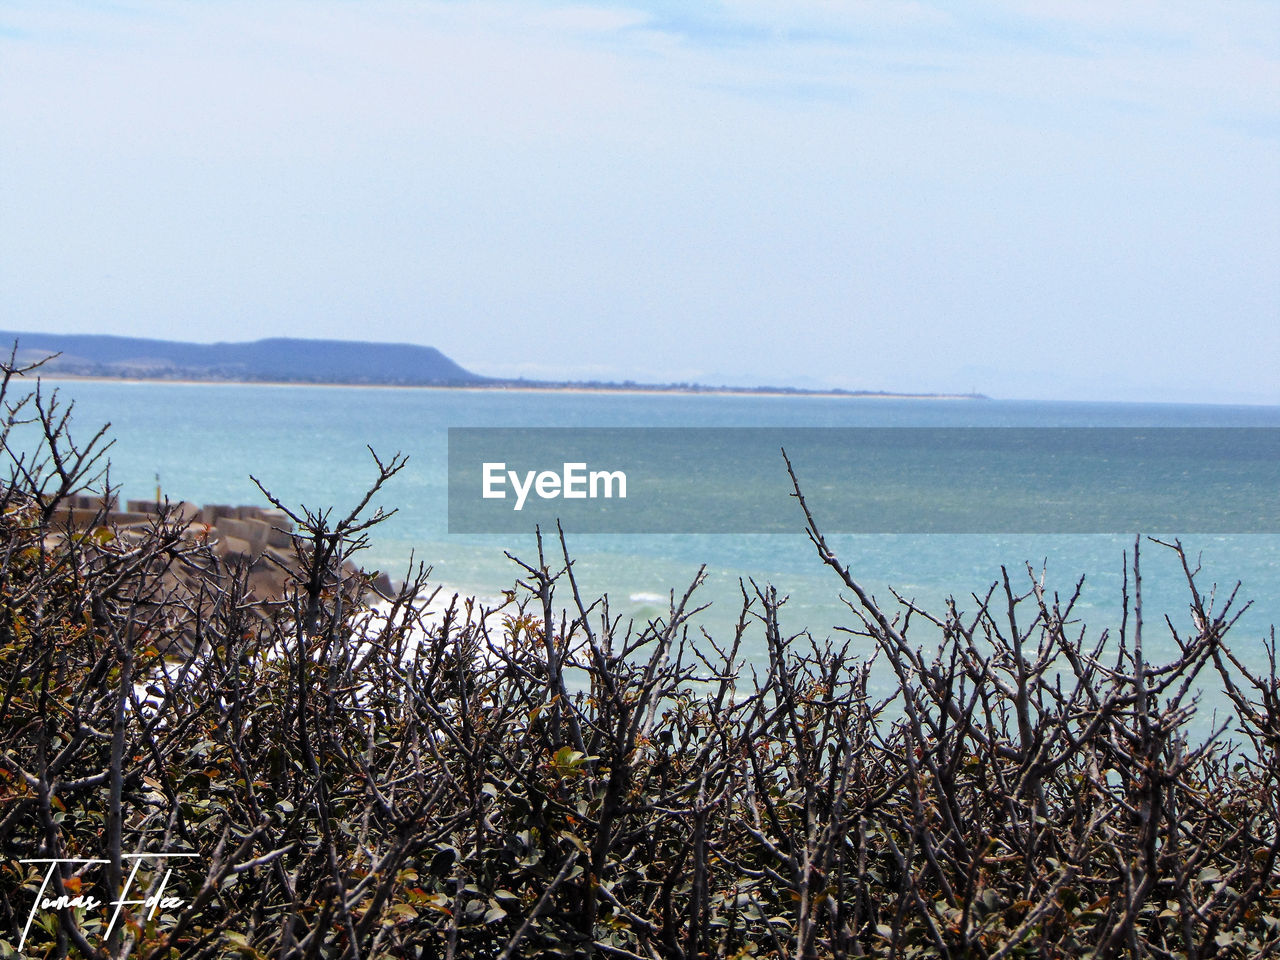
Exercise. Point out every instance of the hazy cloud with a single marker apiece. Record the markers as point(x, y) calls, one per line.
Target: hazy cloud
point(848, 192)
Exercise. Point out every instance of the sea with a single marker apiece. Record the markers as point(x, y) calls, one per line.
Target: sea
point(310, 446)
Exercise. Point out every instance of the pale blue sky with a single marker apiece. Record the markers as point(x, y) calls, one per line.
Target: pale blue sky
point(1033, 198)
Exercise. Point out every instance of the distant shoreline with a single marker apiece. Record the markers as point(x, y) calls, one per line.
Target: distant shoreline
point(518, 387)
point(292, 361)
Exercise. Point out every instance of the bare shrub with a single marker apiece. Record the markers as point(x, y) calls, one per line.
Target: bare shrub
point(544, 779)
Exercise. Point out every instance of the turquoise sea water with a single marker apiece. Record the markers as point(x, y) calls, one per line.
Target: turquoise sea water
point(307, 445)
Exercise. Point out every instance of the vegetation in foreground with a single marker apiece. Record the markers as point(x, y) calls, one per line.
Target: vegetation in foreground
point(546, 780)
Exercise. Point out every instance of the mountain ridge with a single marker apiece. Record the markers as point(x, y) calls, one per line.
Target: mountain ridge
point(295, 360)
point(273, 359)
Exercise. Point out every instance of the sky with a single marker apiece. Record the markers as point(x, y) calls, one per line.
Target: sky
point(1028, 198)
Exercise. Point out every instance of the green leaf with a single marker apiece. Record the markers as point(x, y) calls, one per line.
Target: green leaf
point(239, 941)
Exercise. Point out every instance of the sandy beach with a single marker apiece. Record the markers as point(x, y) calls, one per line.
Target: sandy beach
point(610, 390)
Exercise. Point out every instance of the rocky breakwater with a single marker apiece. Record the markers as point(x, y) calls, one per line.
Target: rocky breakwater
point(254, 545)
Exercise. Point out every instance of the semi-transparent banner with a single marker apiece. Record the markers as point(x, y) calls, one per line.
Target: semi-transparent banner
point(866, 480)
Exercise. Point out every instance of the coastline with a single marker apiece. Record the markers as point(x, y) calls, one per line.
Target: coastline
point(612, 389)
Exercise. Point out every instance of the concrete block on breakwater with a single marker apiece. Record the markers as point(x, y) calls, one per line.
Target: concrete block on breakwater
point(88, 502)
point(254, 531)
point(258, 540)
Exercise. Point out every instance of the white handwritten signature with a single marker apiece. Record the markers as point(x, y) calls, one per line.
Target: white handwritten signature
point(156, 901)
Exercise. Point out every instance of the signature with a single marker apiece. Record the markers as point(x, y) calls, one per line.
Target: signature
point(87, 902)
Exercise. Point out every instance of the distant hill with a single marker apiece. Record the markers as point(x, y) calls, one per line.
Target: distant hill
point(288, 360)
point(276, 360)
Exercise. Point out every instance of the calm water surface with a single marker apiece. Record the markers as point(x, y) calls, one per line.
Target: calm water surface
point(308, 446)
